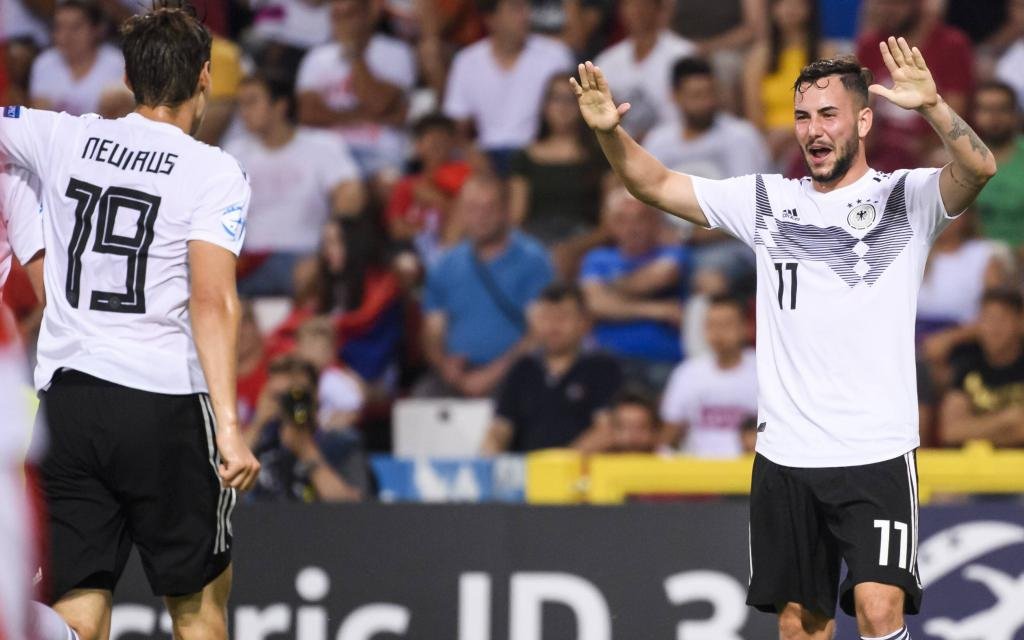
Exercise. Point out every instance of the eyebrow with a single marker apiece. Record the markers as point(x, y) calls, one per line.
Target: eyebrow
point(821, 110)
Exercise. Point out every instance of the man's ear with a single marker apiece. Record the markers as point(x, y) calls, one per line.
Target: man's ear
point(205, 79)
point(864, 122)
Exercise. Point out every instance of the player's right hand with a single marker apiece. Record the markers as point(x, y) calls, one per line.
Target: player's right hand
point(595, 98)
point(238, 467)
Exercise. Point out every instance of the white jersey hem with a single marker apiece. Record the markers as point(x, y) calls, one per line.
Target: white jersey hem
point(840, 461)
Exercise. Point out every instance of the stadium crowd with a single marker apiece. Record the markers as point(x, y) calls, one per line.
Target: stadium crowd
point(430, 217)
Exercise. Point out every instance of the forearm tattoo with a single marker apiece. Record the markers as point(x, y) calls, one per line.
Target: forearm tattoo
point(961, 129)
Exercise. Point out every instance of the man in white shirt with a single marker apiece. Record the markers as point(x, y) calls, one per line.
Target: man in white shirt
point(358, 85)
point(839, 261)
point(299, 177)
point(496, 85)
point(708, 397)
point(136, 354)
point(640, 66)
point(72, 75)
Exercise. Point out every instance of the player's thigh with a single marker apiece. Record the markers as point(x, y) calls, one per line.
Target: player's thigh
point(87, 611)
point(202, 615)
point(874, 515)
point(178, 512)
point(793, 557)
point(799, 623)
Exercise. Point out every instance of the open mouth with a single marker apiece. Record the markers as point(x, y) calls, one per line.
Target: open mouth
point(819, 152)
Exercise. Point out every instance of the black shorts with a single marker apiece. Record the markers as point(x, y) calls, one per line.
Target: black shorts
point(804, 521)
point(128, 467)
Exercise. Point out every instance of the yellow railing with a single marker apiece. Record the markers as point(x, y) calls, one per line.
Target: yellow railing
point(567, 477)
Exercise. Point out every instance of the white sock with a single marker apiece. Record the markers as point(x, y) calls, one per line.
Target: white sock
point(49, 625)
point(900, 634)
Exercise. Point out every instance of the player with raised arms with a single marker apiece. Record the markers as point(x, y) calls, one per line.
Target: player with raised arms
point(840, 256)
point(136, 353)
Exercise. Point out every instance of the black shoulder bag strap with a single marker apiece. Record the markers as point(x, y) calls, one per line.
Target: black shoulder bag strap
point(508, 309)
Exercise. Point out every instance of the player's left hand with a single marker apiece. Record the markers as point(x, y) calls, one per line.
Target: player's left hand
point(238, 467)
point(913, 86)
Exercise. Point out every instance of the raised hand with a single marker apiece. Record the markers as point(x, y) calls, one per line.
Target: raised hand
point(595, 98)
point(913, 86)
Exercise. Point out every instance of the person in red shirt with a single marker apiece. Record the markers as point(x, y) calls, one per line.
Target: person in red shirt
point(900, 139)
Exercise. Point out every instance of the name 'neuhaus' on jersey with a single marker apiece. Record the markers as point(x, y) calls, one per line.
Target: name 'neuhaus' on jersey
point(113, 153)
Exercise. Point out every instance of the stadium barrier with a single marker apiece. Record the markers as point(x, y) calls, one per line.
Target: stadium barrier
point(516, 572)
point(567, 477)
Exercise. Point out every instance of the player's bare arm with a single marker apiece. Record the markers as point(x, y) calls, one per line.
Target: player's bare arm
point(914, 88)
point(647, 179)
point(216, 313)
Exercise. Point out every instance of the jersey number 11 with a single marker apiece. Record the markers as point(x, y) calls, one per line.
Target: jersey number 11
point(135, 248)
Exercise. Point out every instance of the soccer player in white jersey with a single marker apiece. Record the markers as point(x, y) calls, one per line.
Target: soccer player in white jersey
point(840, 256)
point(136, 354)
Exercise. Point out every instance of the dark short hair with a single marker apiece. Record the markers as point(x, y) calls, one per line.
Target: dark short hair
point(637, 396)
point(431, 122)
point(164, 53)
point(688, 67)
point(558, 292)
point(278, 87)
point(1005, 296)
point(91, 8)
point(855, 78)
point(729, 300)
point(999, 85)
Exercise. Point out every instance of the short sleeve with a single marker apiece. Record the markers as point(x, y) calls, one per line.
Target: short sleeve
point(434, 292)
point(221, 211)
point(22, 207)
point(25, 136)
point(728, 204)
point(593, 268)
point(457, 105)
point(306, 77)
point(677, 399)
point(337, 166)
point(398, 67)
point(927, 214)
point(506, 405)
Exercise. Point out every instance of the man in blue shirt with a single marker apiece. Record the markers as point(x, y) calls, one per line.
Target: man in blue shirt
point(476, 296)
point(635, 290)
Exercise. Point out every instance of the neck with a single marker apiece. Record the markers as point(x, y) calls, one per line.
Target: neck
point(81, 65)
point(728, 359)
point(793, 37)
point(856, 172)
point(558, 363)
point(182, 116)
point(278, 135)
point(1005, 356)
point(643, 43)
point(507, 47)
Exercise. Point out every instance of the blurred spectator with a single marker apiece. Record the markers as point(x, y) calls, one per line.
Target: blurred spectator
point(226, 58)
point(997, 121)
point(988, 399)
point(709, 397)
point(1010, 65)
point(476, 295)
point(639, 69)
point(72, 74)
point(706, 141)
point(840, 20)
point(253, 361)
point(748, 434)
point(339, 395)
point(299, 177)
point(556, 183)
point(900, 138)
point(300, 462)
point(584, 23)
point(282, 374)
point(634, 423)
point(557, 396)
point(723, 31)
point(358, 85)
point(349, 283)
point(792, 40)
point(496, 85)
point(297, 25)
point(959, 270)
point(635, 289)
point(419, 212)
point(24, 20)
point(991, 26)
point(18, 56)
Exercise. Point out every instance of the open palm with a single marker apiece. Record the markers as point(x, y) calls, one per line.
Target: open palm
point(595, 98)
point(913, 86)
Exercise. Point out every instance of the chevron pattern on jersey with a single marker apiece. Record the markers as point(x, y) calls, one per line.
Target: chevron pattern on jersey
point(851, 259)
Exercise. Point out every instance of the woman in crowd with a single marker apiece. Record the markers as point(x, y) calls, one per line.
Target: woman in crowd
point(793, 40)
point(556, 183)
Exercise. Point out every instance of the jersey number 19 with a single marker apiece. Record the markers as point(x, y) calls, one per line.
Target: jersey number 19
point(135, 248)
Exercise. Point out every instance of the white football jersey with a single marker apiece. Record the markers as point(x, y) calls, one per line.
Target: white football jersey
point(122, 199)
point(837, 281)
